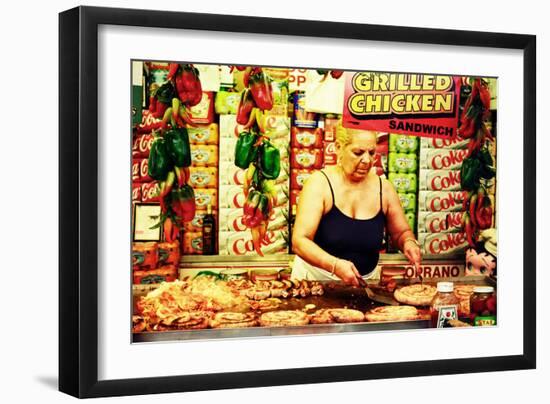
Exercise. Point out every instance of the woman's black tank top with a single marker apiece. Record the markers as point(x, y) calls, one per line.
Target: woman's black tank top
point(355, 240)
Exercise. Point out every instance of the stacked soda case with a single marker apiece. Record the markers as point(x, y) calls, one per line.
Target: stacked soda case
point(403, 174)
point(203, 178)
point(440, 199)
point(233, 236)
point(154, 262)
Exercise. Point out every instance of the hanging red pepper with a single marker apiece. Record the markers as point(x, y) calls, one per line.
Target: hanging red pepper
point(472, 208)
point(261, 90)
point(188, 85)
point(170, 230)
point(257, 239)
point(152, 104)
point(467, 128)
point(160, 109)
point(469, 230)
point(336, 74)
point(172, 70)
point(484, 212)
point(246, 105)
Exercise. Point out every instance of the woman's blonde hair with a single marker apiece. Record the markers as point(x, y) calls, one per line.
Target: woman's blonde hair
point(345, 135)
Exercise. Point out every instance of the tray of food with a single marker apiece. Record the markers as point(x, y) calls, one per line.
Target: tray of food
point(211, 307)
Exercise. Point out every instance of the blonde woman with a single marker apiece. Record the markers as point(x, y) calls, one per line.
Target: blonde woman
point(342, 213)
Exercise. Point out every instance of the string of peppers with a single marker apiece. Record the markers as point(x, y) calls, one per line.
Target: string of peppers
point(478, 166)
point(170, 155)
point(256, 154)
point(335, 74)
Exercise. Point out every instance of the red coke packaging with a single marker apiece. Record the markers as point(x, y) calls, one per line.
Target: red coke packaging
point(142, 145)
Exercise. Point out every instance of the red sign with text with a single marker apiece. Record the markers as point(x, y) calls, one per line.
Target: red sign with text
point(413, 104)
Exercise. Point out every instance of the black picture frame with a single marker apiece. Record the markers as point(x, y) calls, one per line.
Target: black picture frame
point(78, 200)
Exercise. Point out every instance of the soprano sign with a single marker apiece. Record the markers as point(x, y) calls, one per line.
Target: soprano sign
point(413, 104)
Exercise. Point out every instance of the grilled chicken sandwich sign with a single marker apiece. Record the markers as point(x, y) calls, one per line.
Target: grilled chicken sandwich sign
point(414, 104)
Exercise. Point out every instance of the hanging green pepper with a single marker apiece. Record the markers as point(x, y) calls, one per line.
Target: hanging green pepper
point(487, 170)
point(159, 161)
point(177, 146)
point(245, 149)
point(470, 174)
point(270, 160)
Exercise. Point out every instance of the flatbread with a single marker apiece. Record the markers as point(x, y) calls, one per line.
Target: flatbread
point(282, 318)
point(415, 295)
point(392, 313)
point(327, 316)
point(233, 320)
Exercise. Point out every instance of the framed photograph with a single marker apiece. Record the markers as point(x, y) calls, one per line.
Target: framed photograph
point(145, 222)
point(342, 186)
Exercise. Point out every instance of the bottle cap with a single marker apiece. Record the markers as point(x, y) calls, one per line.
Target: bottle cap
point(209, 209)
point(445, 286)
point(484, 289)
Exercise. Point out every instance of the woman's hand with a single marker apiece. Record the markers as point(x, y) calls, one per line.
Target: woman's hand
point(346, 271)
point(413, 254)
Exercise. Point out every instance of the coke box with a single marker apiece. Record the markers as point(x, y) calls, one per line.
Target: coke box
point(205, 197)
point(192, 243)
point(148, 123)
point(439, 222)
point(438, 143)
point(204, 155)
point(203, 177)
point(277, 127)
point(227, 126)
point(230, 174)
point(438, 201)
point(299, 177)
point(227, 149)
point(306, 137)
point(144, 170)
point(232, 219)
point(150, 191)
point(140, 170)
point(136, 192)
point(196, 224)
point(240, 243)
point(142, 145)
point(306, 158)
point(136, 169)
point(330, 157)
point(442, 243)
point(442, 159)
point(204, 134)
point(440, 180)
point(232, 197)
